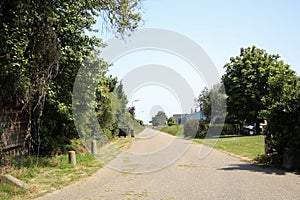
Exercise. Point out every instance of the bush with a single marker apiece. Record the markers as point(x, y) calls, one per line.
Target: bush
point(173, 130)
point(228, 129)
point(195, 128)
point(172, 121)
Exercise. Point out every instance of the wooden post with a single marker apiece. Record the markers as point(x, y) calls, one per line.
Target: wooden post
point(72, 158)
point(94, 147)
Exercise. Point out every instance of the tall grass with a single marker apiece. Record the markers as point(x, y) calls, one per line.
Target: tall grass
point(176, 130)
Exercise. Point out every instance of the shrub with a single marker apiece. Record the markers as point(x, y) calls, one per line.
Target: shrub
point(228, 129)
point(191, 128)
point(195, 128)
point(173, 130)
point(171, 121)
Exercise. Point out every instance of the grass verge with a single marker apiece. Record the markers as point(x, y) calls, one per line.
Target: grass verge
point(47, 174)
point(250, 147)
point(176, 130)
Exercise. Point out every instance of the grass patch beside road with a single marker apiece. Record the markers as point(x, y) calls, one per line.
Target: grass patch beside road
point(49, 174)
point(176, 130)
point(46, 174)
point(249, 147)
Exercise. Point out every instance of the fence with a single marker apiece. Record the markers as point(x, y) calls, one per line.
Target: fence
point(13, 128)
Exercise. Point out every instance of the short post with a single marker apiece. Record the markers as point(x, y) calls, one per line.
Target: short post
point(72, 158)
point(94, 147)
point(132, 133)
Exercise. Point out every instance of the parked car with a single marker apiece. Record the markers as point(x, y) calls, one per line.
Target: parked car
point(122, 132)
point(251, 129)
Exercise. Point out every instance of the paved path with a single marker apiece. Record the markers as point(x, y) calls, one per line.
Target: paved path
point(157, 167)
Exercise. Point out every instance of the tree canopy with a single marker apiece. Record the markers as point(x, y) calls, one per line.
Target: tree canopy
point(261, 86)
point(246, 82)
point(213, 102)
point(44, 43)
point(159, 119)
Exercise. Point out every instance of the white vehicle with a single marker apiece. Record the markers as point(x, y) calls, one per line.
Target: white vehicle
point(251, 129)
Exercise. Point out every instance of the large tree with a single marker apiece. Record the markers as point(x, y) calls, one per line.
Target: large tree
point(283, 112)
point(246, 82)
point(43, 45)
point(159, 119)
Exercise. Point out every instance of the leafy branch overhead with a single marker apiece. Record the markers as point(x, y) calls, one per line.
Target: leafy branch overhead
point(44, 43)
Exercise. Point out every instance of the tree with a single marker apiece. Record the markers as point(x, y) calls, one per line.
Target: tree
point(159, 119)
point(213, 102)
point(171, 121)
point(246, 83)
point(205, 102)
point(44, 45)
point(131, 110)
point(283, 112)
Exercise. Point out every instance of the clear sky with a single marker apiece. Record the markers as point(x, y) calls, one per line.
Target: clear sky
point(221, 28)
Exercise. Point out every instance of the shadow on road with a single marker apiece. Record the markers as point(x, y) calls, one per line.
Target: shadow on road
point(254, 168)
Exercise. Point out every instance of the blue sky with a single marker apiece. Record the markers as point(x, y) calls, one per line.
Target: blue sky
point(221, 28)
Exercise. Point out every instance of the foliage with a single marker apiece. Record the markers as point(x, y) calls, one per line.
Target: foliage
point(228, 129)
point(139, 122)
point(247, 80)
point(122, 116)
point(44, 45)
point(205, 102)
point(195, 128)
point(131, 110)
point(176, 130)
point(283, 112)
point(171, 121)
point(159, 119)
point(47, 174)
point(213, 102)
point(260, 86)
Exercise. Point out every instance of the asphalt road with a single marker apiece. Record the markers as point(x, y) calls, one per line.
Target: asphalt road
point(160, 166)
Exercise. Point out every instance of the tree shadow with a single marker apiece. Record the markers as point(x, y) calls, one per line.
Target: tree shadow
point(255, 168)
point(241, 135)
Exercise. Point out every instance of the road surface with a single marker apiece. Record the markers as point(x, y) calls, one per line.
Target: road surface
point(160, 166)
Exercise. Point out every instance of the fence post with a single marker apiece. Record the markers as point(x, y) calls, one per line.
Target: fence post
point(94, 147)
point(72, 158)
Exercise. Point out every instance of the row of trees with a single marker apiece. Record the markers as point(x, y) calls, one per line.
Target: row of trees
point(44, 43)
point(259, 86)
point(161, 119)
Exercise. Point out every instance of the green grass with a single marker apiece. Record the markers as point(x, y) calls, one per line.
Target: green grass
point(249, 147)
point(8, 191)
point(112, 149)
point(173, 130)
point(47, 174)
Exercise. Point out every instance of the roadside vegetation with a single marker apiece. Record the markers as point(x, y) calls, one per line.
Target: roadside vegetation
point(176, 130)
point(249, 147)
point(45, 44)
point(46, 174)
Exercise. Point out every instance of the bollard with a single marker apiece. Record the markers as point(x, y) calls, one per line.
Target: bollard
point(72, 158)
point(94, 147)
point(132, 133)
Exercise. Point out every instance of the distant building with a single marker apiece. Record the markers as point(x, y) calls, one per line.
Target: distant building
point(178, 117)
point(182, 118)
